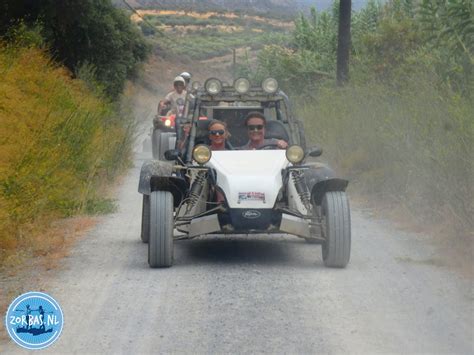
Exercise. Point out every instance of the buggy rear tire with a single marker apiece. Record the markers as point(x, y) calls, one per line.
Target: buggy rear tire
point(156, 143)
point(165, 140)
point(145, 233)
point(160, 143)
point(160, 245)
point(336, 249)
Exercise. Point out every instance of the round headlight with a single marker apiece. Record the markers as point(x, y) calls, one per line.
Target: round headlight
point(242, 85)
point(213, 86)
point(295, 154)
point(202, 154)
point(270, 85)
point(196, 85)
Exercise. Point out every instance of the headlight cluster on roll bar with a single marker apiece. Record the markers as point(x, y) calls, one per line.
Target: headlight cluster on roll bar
point(214, 86)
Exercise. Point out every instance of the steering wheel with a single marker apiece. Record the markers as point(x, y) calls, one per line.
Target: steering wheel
point(229, 146)
point(267, 145)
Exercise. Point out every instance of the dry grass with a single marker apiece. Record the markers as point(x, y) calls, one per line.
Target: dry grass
point(59, 143)
point(453, 249)
point(409, 152)
point(207, 15)
point(47, 245)
point(200, 15)
point(412, 147)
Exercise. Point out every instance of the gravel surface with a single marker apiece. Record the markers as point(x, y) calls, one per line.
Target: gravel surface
point(258, 294)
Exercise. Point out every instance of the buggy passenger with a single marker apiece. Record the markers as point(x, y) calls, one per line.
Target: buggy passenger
point(218, 136)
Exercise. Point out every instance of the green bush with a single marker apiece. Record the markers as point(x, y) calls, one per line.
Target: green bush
point(88, 31)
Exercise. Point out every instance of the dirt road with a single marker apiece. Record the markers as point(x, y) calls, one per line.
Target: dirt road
point(257, 294)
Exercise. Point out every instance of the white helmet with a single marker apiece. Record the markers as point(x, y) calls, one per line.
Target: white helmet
point(179, 79)
point(185, 75)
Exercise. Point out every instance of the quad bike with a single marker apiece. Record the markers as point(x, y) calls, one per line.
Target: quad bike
point(163, 136)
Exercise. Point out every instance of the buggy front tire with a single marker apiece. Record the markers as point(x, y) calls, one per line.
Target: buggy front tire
point(160, 245)
point(336, 249)
point(145, 233)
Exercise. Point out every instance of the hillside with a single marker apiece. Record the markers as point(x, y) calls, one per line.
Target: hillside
point(275, 6)
point(193, 35)
point(285, 8)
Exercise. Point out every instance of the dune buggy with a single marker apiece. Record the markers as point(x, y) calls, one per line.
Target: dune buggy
point(265, 191)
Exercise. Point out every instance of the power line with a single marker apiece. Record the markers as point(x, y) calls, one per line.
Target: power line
point(165, 37)
point(144, 19)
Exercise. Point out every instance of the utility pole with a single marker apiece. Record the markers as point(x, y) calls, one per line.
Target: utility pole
point(344, 41)
point(234, 63)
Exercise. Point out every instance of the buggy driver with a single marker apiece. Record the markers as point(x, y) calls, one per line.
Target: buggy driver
point(255, 123)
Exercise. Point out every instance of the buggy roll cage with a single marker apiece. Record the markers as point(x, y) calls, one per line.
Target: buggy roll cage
point(255, 94)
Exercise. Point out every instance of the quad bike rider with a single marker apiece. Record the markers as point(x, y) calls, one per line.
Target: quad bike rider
point(187, 78)
point(172, 104)
point(171, 107)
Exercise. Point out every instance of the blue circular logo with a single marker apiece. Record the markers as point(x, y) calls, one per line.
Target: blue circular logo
point(34, 320)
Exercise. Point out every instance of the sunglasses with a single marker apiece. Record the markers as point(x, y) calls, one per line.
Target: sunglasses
point(255, 127)
point(217, 132)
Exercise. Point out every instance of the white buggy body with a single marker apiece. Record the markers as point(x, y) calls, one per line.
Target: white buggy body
point(249, 179)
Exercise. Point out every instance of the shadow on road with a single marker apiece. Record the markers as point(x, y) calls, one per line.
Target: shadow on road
point(245, 250)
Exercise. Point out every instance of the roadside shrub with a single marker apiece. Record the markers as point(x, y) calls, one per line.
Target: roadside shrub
point(411, 146)
point(58, 142)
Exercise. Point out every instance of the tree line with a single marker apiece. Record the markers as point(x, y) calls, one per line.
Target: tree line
point(389, 40)
point(91, 38)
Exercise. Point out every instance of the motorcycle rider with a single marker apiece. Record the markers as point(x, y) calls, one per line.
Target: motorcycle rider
point(170, 101)
point(255, 123)
point(187, 78)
